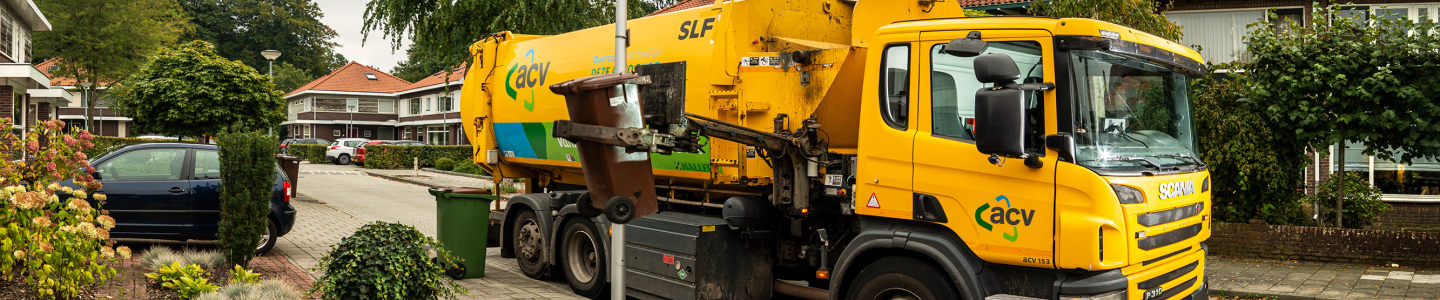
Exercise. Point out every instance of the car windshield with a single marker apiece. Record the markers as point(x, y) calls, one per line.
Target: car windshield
point(1132, 115)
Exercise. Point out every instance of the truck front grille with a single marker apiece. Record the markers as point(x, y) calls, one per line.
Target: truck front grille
point(1171, 215)
point(1165, 239)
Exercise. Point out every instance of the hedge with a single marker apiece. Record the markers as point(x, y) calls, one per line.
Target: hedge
point(247, 162)
point(105, 144)
point(313, 153)
point(402, 157)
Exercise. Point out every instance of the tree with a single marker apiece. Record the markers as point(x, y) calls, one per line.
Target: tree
point(1350, 80)
point(288, 77)
point(240, 29)
point(102, 41)
point(192, 91)
point(247, 162)
point(1138, 14)
point(443, 30)
point(1252, 166)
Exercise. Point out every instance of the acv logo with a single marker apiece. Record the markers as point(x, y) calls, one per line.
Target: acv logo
point(529, 76)
point(1007, 215)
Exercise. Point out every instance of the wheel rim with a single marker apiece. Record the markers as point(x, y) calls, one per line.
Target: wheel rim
point(580, 256)
point(896, 294)
point(529, 241)
point(264, 239)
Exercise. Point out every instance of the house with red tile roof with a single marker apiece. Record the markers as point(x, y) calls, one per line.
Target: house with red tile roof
point(354, 101)
point(27, 96)
point(103, 120)
point(430, 109)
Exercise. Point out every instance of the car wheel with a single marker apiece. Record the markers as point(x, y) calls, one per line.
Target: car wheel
point(529, 243)
point(583, 259)
point(267, 240)
point(901, 277)
point(344, 159)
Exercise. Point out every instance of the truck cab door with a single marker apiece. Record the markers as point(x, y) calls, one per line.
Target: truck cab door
point(885, 165)
point(1005, 212)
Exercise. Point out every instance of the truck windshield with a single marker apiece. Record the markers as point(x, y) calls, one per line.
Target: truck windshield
point(1132, 115)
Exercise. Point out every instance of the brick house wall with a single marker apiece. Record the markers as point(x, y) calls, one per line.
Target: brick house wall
point(7, 102)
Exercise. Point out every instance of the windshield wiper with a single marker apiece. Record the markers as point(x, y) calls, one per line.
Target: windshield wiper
point(1135, 158)
point(1184, 156)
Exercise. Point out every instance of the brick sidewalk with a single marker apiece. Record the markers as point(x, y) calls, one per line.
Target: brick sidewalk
point(1315, 280)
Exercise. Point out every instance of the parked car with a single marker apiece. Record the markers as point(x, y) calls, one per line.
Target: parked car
point(341, 151)
point(285, 145)
point(172, 191)
point(360, 151)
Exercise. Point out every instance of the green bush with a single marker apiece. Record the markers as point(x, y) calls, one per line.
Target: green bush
point(187, 280)
point(469, 168)
point(315, 154)
point(445, 164)
point(385, 261)
point(402, 157)
point(1362, 202)
point(247, 162)
point(105, 144)
point(1252, 166)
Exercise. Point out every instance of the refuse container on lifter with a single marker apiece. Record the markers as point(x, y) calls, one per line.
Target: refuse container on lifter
point(620, 183)
point(463, 225)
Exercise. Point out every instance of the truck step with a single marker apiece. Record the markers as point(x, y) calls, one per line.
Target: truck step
point(1009, 297)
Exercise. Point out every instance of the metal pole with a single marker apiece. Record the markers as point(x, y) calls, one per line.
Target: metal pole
point(89, 114)
point(271, 73)
point(617, 237)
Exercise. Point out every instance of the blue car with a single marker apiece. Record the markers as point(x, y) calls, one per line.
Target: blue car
point(172, 191)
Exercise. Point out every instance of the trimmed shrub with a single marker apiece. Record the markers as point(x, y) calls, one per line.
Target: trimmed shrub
point(445, 164)
point(312, 153)
point(402, 157)
point(386, 261)
point(469, 168)
point(247, 162)
point(1362, 202)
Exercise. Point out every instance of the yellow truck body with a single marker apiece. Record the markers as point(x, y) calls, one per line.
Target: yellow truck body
point(740, 65)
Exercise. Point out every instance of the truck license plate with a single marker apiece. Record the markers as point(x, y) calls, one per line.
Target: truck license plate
point(1154, 293)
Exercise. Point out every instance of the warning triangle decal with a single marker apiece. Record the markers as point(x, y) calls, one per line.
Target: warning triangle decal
point(874, 203)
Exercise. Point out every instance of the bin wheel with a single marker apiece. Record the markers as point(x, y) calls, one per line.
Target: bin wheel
point(454, 270)
point(620, 210)
point(585, 208)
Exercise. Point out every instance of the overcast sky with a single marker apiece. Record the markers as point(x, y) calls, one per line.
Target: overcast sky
point(346, 17)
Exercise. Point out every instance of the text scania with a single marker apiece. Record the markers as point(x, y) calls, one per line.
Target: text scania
point(1176, 189)
point(695, 29)
point(522, 76)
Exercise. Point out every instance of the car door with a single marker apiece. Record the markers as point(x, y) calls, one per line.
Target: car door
point(1005, 211)
point(148, 191)
point(205, 193)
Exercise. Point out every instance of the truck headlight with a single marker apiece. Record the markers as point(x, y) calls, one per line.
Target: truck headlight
point(1116, 295)
point(1127, 194)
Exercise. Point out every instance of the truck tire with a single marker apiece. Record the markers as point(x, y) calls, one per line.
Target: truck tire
point(901, 277)
point(582, 258)
point(529, 242)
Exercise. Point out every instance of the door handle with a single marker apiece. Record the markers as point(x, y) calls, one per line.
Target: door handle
point(177, 190)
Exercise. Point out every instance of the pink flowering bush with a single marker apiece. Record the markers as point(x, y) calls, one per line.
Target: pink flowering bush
point(58, 248)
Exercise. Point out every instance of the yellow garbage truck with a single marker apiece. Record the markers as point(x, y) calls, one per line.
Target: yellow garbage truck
point(879, 149)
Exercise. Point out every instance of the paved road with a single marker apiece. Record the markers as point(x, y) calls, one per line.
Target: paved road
point(335, 200)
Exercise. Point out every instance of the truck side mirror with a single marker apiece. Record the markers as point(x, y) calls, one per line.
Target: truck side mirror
point(970, 46)
point(999, 110)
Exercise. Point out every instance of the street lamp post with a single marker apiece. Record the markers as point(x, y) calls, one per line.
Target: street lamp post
point(89, 107)
point(271, 55)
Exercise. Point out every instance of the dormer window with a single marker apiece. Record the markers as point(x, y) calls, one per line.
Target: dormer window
point(54, 68)
point(371, 76)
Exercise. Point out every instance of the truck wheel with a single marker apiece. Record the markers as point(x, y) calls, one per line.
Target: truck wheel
point(620, 210)
point(529, 242)
point(901, 277)
point(585, 208)
point(583, 258)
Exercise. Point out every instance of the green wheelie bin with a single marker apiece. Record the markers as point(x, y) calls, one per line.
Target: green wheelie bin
point(462, 217)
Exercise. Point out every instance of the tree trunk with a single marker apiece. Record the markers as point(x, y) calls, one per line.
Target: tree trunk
point(1340, 192)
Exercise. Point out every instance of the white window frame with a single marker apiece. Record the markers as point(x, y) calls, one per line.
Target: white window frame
point(1370, 172)
point(385, 103)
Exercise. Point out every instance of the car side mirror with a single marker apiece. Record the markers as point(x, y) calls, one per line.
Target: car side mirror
point(999, 110)
point(970, 46)
point(95, 174)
